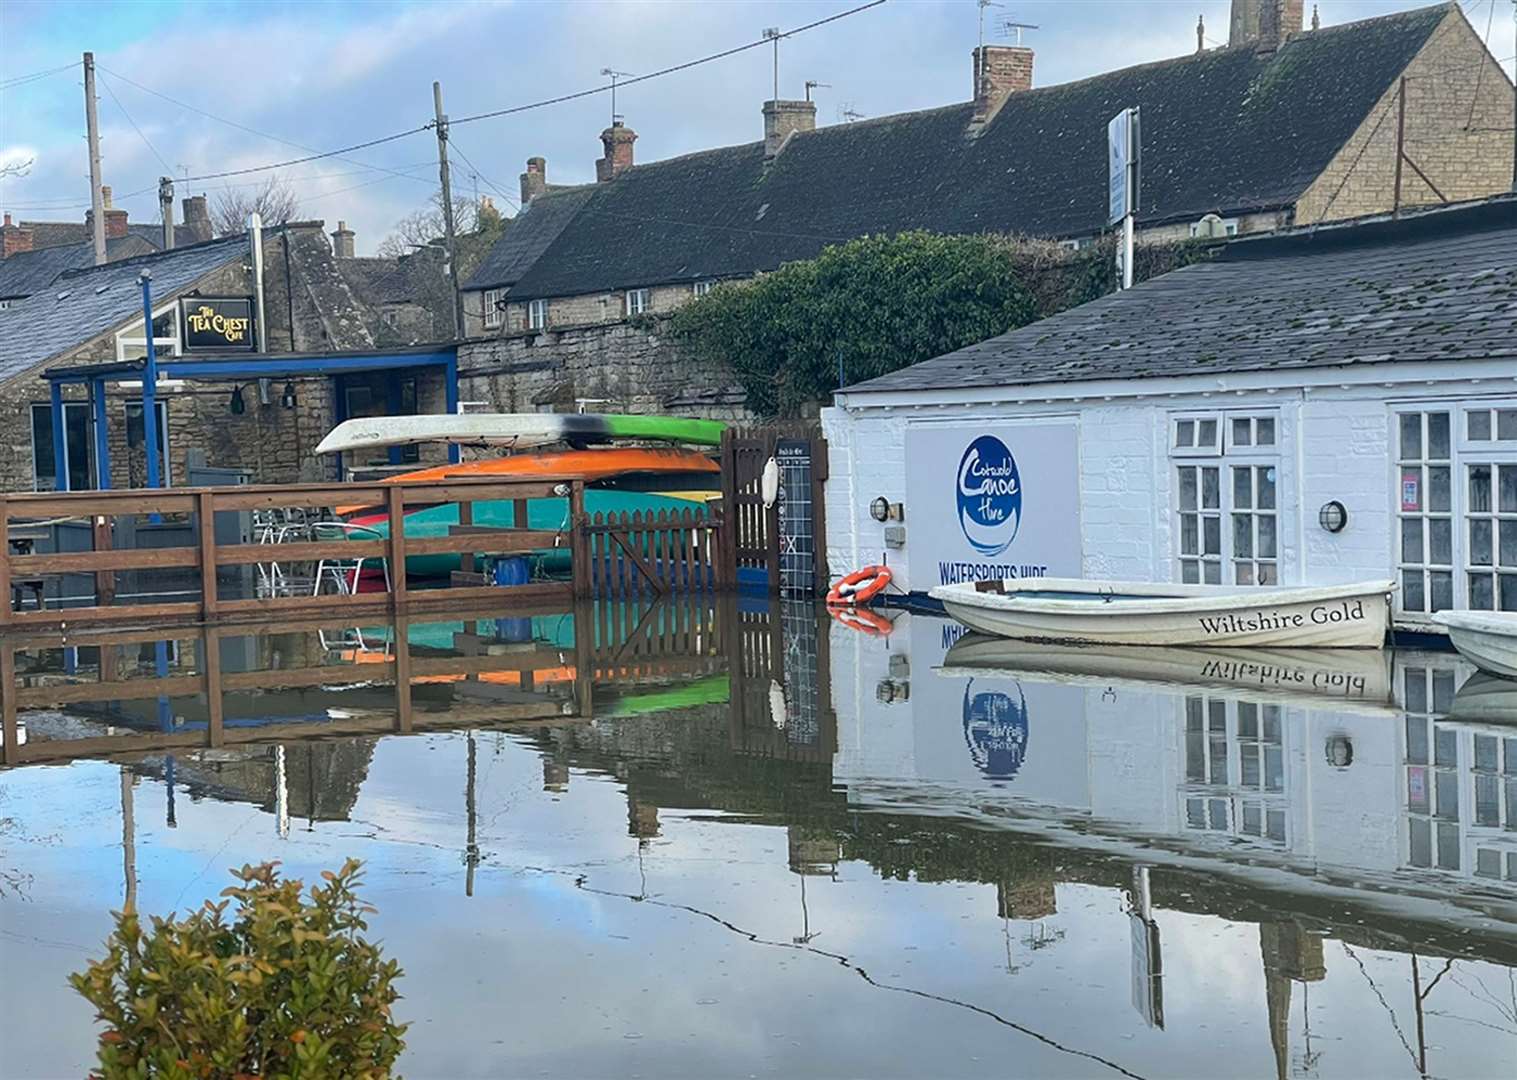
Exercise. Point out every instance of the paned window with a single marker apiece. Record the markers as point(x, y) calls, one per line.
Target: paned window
point(636, 301)
point(1431, 766)
point(78, 447)
point(537, 314)
point(492, 313)
point(1235, 768)
point(1426, 512)
point(1227, 499)
point(1491, 534)
point(701, 288)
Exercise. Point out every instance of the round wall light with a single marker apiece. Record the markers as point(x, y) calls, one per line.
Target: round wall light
point(1333, 516)
point(1339, 751)
point(879, 509)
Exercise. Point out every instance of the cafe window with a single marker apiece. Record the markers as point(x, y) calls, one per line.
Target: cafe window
point(78, 448)
point(129, 342)
point(1227, 498)
point(1426, 512)
point(1235, 768)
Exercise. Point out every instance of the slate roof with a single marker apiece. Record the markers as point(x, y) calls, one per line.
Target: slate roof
point(60, 233)
point(28, 272)
point(1439, 285)
point(530, 233)
point(1227, 131)
point(44, 326)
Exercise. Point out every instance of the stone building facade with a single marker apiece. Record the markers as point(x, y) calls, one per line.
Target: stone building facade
point(1282, 127)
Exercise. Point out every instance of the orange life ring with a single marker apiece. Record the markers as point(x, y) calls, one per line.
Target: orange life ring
point(863, 620)
point(860, 586)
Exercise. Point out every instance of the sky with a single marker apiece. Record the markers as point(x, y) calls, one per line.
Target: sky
point(254, 82)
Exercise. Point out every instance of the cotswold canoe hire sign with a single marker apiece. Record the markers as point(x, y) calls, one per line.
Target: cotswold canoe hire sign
point(995, 500)
point(217, 322)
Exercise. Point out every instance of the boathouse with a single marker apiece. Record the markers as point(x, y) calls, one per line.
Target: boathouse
point(1319, 406)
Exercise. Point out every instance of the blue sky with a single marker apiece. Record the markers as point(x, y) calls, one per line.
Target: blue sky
point(325, 75)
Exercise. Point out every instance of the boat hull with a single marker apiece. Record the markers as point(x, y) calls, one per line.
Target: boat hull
point(1345, 616)
point(1486, 639)
point(516, 431)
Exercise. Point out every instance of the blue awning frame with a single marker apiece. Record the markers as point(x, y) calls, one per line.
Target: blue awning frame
point(242, 367)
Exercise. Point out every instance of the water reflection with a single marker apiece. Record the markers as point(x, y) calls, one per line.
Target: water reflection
point(742, 840)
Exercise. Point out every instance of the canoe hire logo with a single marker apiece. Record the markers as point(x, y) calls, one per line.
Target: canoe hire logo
point(995, 730)
point(989, 495)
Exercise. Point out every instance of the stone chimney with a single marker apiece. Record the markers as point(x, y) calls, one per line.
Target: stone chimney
point(999, 72)
point(115, 220)
point(618, 140)
point(342, 241)
point(197, 219)
point(535, 180)
point(14, 239)
point(783, 119)
point(1265, 24)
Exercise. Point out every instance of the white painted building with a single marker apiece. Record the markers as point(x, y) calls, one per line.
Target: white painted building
point(1214, 424)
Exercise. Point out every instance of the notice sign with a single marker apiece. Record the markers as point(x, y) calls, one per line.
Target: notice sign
point(993, 501)
point(1410, 499)
point(218, 322)
point(1122, 152)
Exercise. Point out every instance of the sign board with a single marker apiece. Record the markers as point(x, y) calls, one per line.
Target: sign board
point(1122, 157)
point(217, 323)
point(993, 500)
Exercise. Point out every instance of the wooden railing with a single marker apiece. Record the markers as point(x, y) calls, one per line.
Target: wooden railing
point(203, 504)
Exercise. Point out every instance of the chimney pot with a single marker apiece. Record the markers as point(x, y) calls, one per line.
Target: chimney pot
point(105, 195)
point(783, 119)
point(618, 140)
point(342, 241)
point(999, 71)
point(535, 180)
point(14, 239)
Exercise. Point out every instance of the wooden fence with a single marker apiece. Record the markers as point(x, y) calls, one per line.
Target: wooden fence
point(644, 555)
point(784, 545)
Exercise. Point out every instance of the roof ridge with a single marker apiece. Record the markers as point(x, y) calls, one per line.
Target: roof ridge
point(146, 256)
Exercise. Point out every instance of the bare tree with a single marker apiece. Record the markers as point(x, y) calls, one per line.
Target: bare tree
point(425, 226)
point(274, 201)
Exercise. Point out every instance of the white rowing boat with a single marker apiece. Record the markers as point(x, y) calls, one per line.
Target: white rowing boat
point(1131, 613)
point(1487, 639)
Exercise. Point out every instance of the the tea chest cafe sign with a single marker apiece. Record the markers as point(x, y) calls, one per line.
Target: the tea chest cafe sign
point(993, 501)
point(217, 323)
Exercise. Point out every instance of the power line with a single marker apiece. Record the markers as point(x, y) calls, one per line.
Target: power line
point(249, 130)
point(488, 182)
point(19, 80)
point(668, 70)
point(166, 167)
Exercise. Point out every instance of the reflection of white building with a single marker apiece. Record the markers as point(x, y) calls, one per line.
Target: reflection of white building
point(1342, 795)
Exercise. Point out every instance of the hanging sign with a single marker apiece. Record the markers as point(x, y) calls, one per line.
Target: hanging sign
point(218, 323)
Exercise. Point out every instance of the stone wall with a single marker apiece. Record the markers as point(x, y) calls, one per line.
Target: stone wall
point(1458, 131)
point(571, 311)
point(625, 366)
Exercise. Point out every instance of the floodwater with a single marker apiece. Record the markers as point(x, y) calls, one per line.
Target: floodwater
point(753, 842)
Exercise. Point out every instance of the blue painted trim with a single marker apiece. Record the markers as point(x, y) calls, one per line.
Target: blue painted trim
point(60, 458)
point(150, 388)
point(314, 365)
point(450, 391)
point(102, 436)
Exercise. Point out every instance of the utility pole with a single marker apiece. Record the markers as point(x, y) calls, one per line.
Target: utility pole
point(447, 208)
point(166, 209)
point(92, 131)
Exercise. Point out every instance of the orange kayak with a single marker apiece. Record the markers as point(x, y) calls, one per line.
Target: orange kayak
point(588, 465)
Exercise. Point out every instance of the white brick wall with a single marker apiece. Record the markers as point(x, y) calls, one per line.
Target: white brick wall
point(1345, 451)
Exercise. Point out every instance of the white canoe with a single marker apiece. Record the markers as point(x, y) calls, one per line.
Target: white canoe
point(1130, 613)
point(1358, 679)
point(515, 431)
point(1487, 639)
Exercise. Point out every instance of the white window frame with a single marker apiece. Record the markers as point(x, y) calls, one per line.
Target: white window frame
point(1464, 510)
point(1215, 553)
point(1219, 799)
point(701, 288)
point(537, 314)
point(635, 302)
point(124, 342)
point(490, 298)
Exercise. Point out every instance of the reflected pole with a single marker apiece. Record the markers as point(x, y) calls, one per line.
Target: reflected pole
point(471, 852)
point(128, 843)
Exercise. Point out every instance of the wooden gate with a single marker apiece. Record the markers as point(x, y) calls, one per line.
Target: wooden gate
point(781, 547)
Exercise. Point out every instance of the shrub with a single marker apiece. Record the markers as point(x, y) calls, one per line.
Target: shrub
point(879, 303)
point(280, 986)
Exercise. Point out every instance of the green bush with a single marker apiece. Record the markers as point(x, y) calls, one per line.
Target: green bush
point(282, 986)
point(879, 303)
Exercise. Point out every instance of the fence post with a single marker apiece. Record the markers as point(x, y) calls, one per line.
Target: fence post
point(105, 580)
point(12, 737)
point(205, 516)
point(395, 505)
point(579, 539)
point(210, 662)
